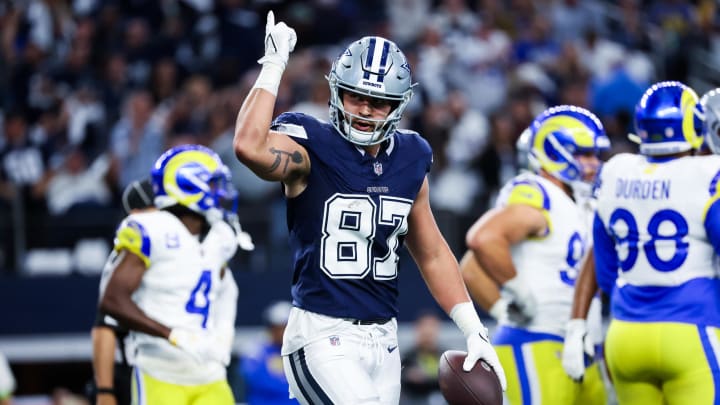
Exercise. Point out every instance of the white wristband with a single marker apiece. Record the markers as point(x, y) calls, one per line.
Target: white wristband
point(269, 78)
point(467, 320)
point(499, 308)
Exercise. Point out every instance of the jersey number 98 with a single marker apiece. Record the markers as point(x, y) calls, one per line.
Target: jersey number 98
point(627, 238)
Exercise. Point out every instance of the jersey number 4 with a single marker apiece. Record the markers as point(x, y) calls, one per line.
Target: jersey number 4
point(350, 225)
point(199, 302)
point(627, 238)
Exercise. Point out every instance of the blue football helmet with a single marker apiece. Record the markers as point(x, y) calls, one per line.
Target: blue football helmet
point(666, 121)
point(192, 176)
point(375, 67)
point(558, 135)
point(708, 110)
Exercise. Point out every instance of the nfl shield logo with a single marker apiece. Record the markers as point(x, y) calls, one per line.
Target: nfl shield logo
point(377, 168)
point(334, 340)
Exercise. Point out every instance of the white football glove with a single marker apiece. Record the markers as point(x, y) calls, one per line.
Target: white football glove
point(280, 40)
point(201, 346)
point(479, 347)
point(523, 305)
point(578, 345)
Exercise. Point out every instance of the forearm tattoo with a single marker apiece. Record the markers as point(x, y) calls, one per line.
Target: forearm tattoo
point(295, 157)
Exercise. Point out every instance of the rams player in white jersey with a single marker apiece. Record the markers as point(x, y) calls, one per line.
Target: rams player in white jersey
point(657, 230)
point(532, 244)
point(167, 284)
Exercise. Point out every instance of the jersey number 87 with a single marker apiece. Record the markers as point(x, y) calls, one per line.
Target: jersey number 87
point(350, 224)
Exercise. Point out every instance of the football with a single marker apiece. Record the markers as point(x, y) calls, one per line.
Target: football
point(480, 386)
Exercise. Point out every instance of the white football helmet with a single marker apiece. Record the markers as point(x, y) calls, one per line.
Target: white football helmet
point(375, 67)
point(709, 111)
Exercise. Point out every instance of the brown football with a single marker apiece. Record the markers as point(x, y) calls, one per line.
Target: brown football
point(480, 386)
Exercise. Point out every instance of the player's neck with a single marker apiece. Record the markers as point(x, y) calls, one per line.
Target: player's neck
point(193, 223)
point(372, 149)
point(564, 187)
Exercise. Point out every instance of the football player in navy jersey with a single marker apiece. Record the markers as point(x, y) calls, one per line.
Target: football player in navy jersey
point(356, 190)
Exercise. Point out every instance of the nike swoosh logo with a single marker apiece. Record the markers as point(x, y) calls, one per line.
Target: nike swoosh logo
point(391, 348)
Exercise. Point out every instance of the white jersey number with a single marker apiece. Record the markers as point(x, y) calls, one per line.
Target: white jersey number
point(349, 225)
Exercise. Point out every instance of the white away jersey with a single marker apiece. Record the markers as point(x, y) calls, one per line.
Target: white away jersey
point(654, 219)
point(550, 264)
point(178, 289)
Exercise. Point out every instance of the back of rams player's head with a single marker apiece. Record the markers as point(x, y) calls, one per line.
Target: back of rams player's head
point(138, 195)
point(375, 67)
point(558, 135)
point(191, 176)
point(665, 119)
point(708, 110)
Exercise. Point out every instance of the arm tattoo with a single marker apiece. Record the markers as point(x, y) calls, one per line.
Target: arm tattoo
point(295, 157)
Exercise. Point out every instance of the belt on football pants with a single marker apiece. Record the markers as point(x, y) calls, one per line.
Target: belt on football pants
point(376, 321)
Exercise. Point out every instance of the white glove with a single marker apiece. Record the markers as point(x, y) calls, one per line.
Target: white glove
point(478, 344)
point(201, 346)
point(479, 347)
point(280, 40)
point(578, 345)
point(523, 305)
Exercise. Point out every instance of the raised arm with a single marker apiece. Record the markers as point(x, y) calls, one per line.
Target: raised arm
point(270, 155)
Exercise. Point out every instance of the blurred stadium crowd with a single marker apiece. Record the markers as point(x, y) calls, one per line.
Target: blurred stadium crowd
point(92, 91)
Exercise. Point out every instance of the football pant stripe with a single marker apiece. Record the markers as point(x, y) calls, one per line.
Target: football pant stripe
point(522, 374)
point(138, 387)
point(709, 339)
point(531, 375)
point(305, 381)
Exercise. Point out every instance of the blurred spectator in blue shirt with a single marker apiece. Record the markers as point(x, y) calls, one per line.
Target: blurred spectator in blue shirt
point(262, 368)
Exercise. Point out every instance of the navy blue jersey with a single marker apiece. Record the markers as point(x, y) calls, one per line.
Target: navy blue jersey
point(346, 227)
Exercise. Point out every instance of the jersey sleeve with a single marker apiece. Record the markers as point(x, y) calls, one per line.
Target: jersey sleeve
point(606, 260)
point(294, 125)
point(525, 191)
point(426, 152)
point(132, 236)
